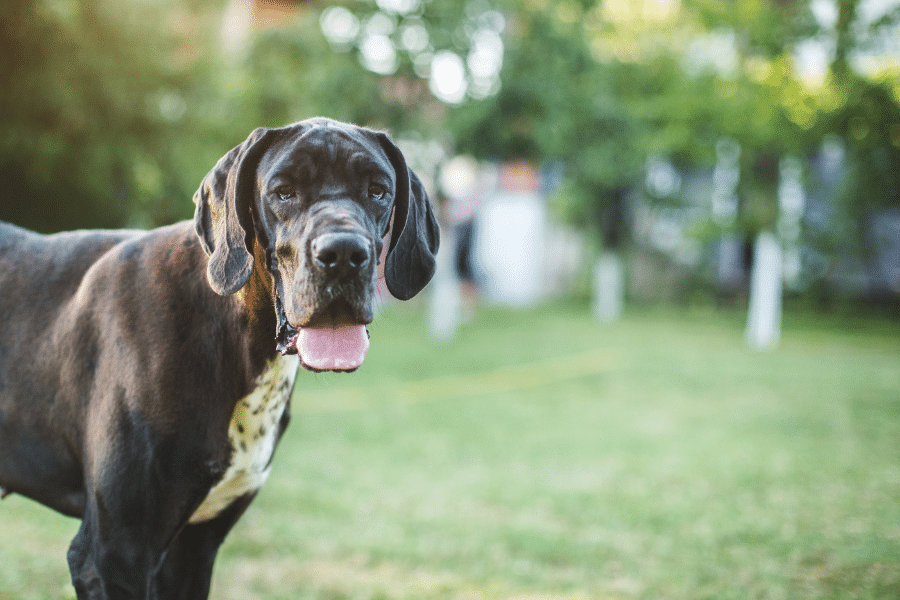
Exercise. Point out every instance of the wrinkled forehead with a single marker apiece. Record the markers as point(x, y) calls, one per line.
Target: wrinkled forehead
point(324, 152)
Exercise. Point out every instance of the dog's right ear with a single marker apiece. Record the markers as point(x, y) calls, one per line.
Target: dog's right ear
point(222, 218)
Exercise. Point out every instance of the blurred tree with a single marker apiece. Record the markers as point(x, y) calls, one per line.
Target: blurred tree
point(777, 102)
point(759, 101)
point(113, 112)
point(410, 61)
point(557, 102)
point(94, 109)
point(864, 113)
point(595, 87)
point(289, 73)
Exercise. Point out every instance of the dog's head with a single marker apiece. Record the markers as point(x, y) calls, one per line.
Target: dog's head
point(332, 206)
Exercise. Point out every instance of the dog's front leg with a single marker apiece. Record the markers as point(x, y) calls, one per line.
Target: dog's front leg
point(117, 568)
point(187, 568)
point(142, 487)
point(122, 546)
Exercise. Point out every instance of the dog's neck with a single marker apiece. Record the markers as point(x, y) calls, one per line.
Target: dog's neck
point(257, 297)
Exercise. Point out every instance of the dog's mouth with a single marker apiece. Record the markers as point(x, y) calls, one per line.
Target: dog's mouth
point(331, 341)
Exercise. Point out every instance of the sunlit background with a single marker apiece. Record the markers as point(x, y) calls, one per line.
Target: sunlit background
point(661, 354)
point(666, 136)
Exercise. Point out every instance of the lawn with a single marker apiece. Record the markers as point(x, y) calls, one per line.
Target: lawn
point(540, 455)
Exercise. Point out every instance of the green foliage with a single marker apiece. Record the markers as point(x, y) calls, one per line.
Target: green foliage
point(559, 103)
point(772, 113)
point(93, 97)
point(868, 122)
point(291, 72)
point(541, 102)
point(114, 112)
point(764, 27)
point(117, 111)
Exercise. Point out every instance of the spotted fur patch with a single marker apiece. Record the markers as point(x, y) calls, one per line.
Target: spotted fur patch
point(253, 432)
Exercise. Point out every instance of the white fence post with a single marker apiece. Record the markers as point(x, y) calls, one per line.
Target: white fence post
point(609, 287)
point(764, 313)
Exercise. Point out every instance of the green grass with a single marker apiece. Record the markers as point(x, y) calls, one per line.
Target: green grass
point(540, 455)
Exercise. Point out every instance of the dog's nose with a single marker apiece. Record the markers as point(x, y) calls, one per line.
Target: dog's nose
point(342, 253)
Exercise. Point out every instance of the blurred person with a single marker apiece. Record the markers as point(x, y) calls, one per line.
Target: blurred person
point(460, 214)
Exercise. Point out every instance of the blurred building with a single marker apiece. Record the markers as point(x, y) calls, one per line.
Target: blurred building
point(682, 242)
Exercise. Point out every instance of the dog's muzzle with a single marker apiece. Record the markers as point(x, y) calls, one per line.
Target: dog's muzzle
point(335, 338)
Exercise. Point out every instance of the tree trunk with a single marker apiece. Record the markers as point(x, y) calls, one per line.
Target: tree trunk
point(608, 287)
point(764, 315)
point(609, 272)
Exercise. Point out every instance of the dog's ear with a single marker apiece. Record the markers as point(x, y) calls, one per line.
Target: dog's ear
point(415, 236)
point(222, 218)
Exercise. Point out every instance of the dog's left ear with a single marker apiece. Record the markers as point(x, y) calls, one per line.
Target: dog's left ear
point(415, 236)
point(222, 218)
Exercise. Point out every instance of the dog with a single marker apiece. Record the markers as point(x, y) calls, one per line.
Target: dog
point(145, 376)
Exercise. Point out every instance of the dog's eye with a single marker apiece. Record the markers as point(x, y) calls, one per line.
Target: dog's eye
point(285, 192)
point(377, 191)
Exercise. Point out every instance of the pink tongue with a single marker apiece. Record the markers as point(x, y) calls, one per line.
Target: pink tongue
point(340, 348)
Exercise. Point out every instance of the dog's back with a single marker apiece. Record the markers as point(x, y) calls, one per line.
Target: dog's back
point(34, 267)
point(39, 275)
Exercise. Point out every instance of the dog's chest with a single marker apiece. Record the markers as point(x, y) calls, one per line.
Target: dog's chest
point(253, 433)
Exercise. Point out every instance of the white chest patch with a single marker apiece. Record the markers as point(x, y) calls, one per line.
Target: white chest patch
point(252, 432)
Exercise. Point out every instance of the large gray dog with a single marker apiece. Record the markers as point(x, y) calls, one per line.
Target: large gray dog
point(145, 377)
